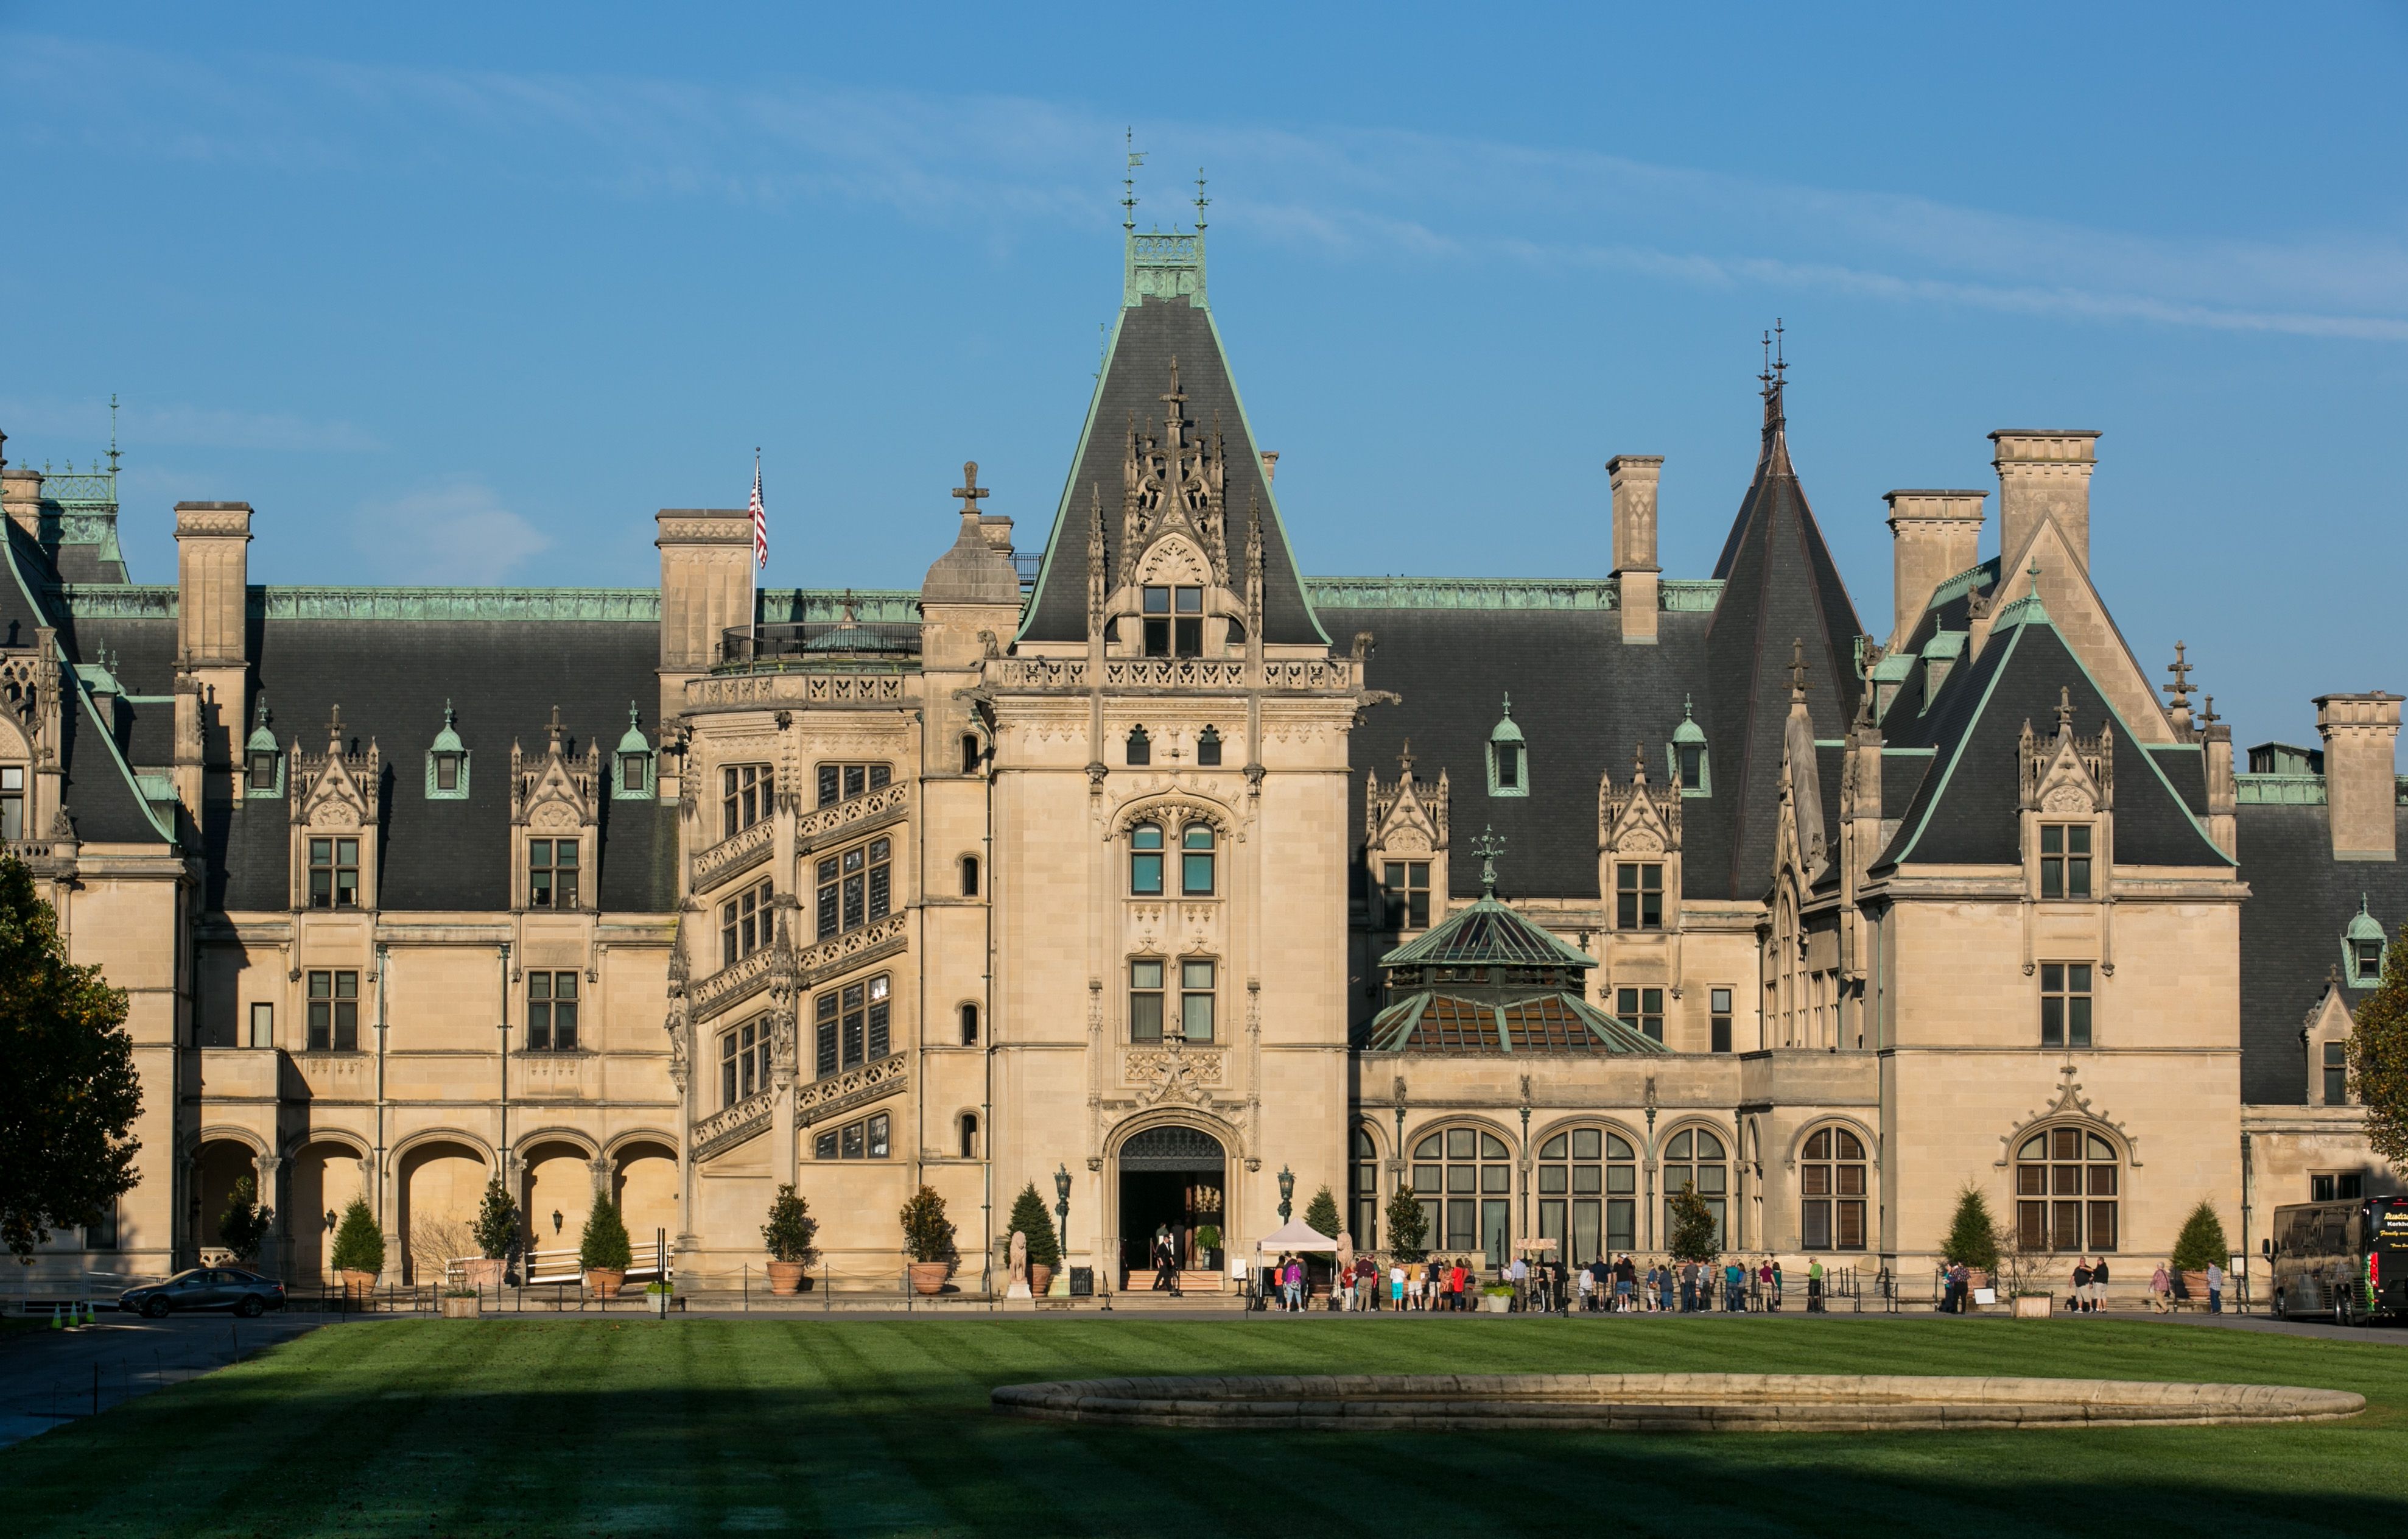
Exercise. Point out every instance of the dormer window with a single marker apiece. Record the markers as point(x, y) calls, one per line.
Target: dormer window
point(263, 758)
point(2364, 949)
point(552, 873)
point(263, 771)
point(1508, 759)
point(333, 873)
point(2065, 861)
point(1174, 622)
point(633, 778)
point(447, 764)
point(447, 772)
point(1688, 756)
point(1208, 748)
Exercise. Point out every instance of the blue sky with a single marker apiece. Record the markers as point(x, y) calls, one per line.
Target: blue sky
point(464, 294)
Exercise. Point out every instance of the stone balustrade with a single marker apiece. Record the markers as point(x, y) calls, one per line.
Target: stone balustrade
point(739, 852)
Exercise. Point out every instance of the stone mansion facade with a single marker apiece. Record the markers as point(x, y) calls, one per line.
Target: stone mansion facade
point(1154, 867)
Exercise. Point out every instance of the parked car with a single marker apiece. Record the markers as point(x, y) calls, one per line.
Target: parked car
point(247, 1293)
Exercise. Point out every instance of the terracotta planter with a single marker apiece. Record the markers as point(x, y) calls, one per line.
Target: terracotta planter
point(2034, 1306)
point(928, 1277)
point(357, 1283)
point(604, 1282)
point(785, 1278)
point(482, 1272)
point(1040, 1277)
point(463, 1309)
point(2194, 1284)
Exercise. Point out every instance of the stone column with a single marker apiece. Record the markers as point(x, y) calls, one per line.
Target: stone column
point(271, 1242)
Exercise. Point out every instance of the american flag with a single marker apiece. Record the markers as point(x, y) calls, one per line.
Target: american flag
point(760, 517)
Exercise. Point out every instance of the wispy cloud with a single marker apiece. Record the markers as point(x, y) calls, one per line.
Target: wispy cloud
point(1007, 161)
point(32, 423)
point(454, 531)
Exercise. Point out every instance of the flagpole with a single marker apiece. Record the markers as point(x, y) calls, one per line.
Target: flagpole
point(760, 559)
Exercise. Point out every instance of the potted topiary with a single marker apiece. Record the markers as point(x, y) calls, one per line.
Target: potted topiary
point(1029, 1218)
point(2199, 1246)
point(1208, 1240)
point(658, 1295)
point(463, 1304)
point(359, 1249)
point(495, 1231)
point(603, 1250)
point(929, 1237)
point(789, 1234)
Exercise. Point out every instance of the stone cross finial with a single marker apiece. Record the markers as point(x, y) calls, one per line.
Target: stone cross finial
point(334, 728)
point(1405, 761)
point(260, 711)
point(2064, 707)
point(1489, 847)
point(2181, 669)
point(970, 491)
point(2208, 717)
point(1174, 399)
point(557, 731)
point(1797, 668)
point(1638, 763)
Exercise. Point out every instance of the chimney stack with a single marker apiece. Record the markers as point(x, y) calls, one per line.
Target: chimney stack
point(2361, 733)
point(2044, 473)
point(20, 497)
point(1933, 536)
point(212, 620)
point(1634, 478)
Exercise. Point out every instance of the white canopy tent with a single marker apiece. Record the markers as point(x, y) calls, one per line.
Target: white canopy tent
point(1296, 1234)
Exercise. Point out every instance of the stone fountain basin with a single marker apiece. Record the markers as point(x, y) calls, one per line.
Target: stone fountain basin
point(1663, 1403)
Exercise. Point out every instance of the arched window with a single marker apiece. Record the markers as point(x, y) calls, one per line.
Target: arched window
point(969, 876)
point(969, 1026)
point(1145, 860)
point(970, 1135)
point(1364, 1188)
point(1509, 757)
point(1588, 1193)
point(1207, 747)
point(2066, 1183)
point(1195, 860)
point(1465, 1179)
point(970, 753)
point(1831, 1191)
point(1694, 1158)
point(1140, 747)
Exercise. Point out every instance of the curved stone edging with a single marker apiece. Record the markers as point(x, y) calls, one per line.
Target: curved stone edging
point(1663, 1403)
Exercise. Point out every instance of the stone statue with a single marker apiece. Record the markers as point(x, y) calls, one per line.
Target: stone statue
point(1019, 1288)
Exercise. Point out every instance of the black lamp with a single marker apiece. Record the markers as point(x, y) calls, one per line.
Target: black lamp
point(330, 1218)
point(1062, 1206)
point(1287, 1191)
point(555, 1220)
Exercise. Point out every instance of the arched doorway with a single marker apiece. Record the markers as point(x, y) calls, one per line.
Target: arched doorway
point(1173, 1179)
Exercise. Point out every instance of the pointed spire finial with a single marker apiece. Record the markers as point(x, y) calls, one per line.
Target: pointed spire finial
point(335, 728)
point(260, 711)
point(1685, 714)
point(112, 432)
point(634, 717)
point(447, 712)
point(1489, 847)
point(1200, 200)
point(2064, 707)
point(1405, 762)
point(1798, 668)
point(555, 729)
point(1637, 764)
point(1509, 705)
point(1129, 181)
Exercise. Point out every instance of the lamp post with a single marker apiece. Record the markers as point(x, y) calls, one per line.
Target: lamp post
point(1062, 1211)
point(1287, 1191)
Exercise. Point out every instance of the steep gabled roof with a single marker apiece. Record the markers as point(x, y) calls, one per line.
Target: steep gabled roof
point(1152, 331)
point(1780, 590)
point(1965, 811)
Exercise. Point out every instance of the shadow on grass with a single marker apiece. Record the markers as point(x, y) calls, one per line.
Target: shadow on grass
point(880, 1428)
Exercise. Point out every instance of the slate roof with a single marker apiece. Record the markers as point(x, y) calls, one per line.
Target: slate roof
point(1136, 372)
point(1486, 933)
point(2300, 903)
point(1966, 808)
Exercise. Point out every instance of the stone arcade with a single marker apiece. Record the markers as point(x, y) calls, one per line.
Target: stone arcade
point(1136, 869)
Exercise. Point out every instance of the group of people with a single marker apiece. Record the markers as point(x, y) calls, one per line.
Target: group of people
point(1454, 1284)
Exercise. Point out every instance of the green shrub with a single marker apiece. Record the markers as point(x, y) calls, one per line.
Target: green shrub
point(2201, 1242)
point(1209, 1236)
point(359, 1245)
point(1973, 1234)
point(1693, 1226)
point(603, 1246)
point(928, 1234)
point(1029, 1217)
point(1322, 1214)
point(243, 1227)
point(1408, 1226)
point(497, 1221)
point(791, 1230)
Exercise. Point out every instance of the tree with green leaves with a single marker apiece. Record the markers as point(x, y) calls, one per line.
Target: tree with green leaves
point(1029, 1218)
point(359, 1245)
point(1974, 1234)
point(1408, 1226)
point(1321, 1214)
point(2378, 1058)
point(242, 1229)
point(928, 1234)
point(1695, 1233)
point(68, 1094)
point(497, 1229)
point(791, 1230)
point(2200, 1245)
point(604, 1245)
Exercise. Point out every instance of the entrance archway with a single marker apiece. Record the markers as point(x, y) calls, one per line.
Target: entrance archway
point(1172, 1179)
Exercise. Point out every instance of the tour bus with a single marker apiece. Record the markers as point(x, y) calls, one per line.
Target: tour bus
point(2345, 1260)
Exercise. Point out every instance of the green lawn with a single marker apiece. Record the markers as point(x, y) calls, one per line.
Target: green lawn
point(860, 1427)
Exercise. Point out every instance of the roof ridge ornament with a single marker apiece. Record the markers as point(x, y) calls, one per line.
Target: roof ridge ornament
point(970, 491)
point(1489, 847)
point(1798, 670)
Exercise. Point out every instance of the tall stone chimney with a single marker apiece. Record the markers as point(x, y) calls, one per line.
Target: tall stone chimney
point(2361, 733)
point(2044, 473)
point(212, 610)
point(1933, 536)
point(705, 588)
point(21, 498)
point(1634, 478)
